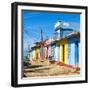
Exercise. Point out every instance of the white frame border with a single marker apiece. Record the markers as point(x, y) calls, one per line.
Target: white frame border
point(82, 50)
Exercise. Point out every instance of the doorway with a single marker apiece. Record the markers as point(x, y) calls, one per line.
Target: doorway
point(63, 53)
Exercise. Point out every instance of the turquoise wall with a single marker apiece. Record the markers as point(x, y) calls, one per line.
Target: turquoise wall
point(72, 54)
point(56, 53)
point(73, 57)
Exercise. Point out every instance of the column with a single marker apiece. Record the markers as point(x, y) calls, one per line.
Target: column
point(61, 53)
point(56, 53)
point(66, 53)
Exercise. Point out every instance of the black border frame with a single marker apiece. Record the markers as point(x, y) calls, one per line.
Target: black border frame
point(14, 43)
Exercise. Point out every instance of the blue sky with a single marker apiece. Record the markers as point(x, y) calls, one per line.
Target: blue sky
point(33, 22)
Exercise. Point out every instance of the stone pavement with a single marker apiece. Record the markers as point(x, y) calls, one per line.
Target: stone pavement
point(50, 70)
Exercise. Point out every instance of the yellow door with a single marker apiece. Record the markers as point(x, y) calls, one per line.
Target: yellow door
point(36, 53)
point(66, 53)
point(61, 53)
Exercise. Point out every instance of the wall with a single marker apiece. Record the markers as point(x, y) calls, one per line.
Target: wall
point(5, 47)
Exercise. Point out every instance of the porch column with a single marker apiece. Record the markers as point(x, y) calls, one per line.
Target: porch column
point(66, 53)
point(61, 53)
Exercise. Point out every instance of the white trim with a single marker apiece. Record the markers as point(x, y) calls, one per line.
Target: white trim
point(82, 51)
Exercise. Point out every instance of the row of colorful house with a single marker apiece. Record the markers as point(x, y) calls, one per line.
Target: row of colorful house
point(64, 49)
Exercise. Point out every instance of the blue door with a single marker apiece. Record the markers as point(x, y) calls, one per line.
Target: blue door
point(76, 53)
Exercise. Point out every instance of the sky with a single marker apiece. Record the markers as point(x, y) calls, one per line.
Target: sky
point(34, 21)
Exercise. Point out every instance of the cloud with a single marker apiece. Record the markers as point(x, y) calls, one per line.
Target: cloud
point(75, 25)
point(66, 24)
point(72, 25)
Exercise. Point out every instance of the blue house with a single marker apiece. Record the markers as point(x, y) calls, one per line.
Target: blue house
point(55, 51)
point(73, 48)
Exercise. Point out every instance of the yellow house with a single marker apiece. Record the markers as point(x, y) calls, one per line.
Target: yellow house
point(63, 43)
point(36, 53)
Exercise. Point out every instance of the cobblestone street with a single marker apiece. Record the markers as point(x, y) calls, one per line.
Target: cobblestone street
point(50, 70)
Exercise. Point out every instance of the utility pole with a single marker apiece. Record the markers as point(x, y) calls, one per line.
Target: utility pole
point(41, 35)
point(42, 56)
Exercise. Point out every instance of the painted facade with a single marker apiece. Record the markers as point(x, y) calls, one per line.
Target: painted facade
point(65, 49)
point(74, 46)
point(56, 52)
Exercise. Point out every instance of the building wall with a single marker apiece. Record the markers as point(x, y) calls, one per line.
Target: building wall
point(69, 51)
point(33, 54)
point(66, 53)
point(49, 51)
point(79, 56)
point(56, 53)
point(53, 51)
point(76, 53)
point(72, 54)
point(39, 53)
point(36, 53)
point(46, 52)
point(63, 51)
point(74, 48)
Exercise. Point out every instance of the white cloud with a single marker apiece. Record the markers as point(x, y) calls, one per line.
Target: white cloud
point(66, 24)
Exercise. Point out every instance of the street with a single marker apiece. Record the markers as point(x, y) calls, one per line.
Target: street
point(50, 70)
